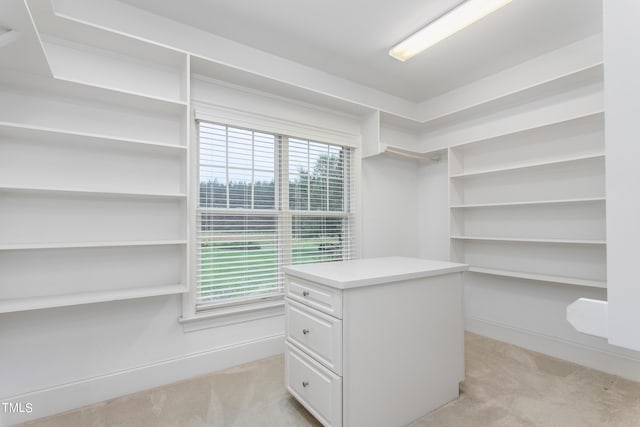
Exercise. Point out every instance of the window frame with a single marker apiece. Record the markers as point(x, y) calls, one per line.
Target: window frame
point(269, 305)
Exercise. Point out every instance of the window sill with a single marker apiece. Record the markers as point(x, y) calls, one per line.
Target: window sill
point(231, 315)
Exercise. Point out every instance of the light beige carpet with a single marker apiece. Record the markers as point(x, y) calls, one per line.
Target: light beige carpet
point(504, 386)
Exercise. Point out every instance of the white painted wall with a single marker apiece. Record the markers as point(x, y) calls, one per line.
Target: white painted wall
point(533, 315)
point(389, 207)
point(433, 210)
point(622, 102)
point(63, 358)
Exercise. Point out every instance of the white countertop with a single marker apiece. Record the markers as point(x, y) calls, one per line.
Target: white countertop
point(371, 271)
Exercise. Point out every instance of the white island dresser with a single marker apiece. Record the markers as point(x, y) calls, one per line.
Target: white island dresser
point(374, 342)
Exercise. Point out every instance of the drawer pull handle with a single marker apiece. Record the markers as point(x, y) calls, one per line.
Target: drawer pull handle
point(305, 293)
point(305, 331)
point(305, 383)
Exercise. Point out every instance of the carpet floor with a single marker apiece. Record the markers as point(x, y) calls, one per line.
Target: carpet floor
point(505, 386)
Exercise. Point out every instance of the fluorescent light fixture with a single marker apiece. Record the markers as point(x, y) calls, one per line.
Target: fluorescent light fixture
point(450, 23)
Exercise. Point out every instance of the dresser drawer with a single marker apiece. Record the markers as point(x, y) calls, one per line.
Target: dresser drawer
point(318, 334)
point(313, 385)
point(323, 298)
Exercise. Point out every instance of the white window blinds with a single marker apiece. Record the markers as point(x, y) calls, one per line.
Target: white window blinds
point(266, 200)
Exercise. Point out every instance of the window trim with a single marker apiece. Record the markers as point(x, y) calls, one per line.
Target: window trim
point(271, 124)
point(236, 313)
point(281, 211)
point(193, 320)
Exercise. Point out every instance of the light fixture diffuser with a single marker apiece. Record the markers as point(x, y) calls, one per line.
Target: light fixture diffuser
point(450, 23)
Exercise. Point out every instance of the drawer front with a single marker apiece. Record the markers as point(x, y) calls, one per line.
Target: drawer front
point(323, 298)
point(318, 334)
point(317, 388)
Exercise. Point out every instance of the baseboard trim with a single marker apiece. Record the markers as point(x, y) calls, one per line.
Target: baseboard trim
point(65, 397)
point(622, 365)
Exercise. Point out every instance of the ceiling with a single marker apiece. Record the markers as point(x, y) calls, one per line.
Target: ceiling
point(351, 38)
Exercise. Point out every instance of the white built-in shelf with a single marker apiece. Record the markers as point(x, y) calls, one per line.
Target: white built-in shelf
point(539, 90)
point(43, 133)
point(433, 156)
point(205, 69)
point(79, 191)
point(549, 87)
point(589, 112)
point(112, 107)
point(597, 115)
point(119, 96)
point(67, 88)
point(61, 26)
point(81, 62)
point(530, 203)
point(73, 245)
point(519, 167)
point(35, 303)
point(526, 178)
point(539, 277)
point(531, 240)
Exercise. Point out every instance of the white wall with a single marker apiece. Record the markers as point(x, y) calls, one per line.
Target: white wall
point(389, 207)
point(59, 359)
point(533, 315)
point(433, 210)
point(622, 102)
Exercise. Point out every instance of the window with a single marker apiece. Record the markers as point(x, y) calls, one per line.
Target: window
point(266, 200)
